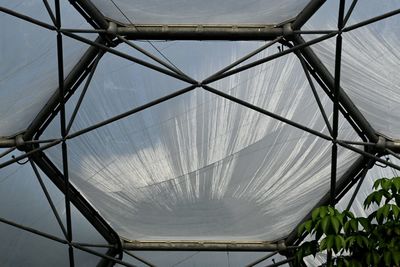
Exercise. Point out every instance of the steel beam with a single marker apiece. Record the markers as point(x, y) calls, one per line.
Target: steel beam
point(306, 13)
point(70, 85)
point(187, 245)
point(201, 32)
point(106, 262)
point(91, 12)
point(328, 79)
point(77, 199)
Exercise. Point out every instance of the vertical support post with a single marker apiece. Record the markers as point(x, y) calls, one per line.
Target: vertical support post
point(63, 130)
point(336, 97)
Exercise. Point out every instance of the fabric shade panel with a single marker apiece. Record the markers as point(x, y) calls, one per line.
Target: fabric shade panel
point(200, 12)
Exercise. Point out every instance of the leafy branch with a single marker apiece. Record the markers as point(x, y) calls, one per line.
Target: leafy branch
point(357, 241)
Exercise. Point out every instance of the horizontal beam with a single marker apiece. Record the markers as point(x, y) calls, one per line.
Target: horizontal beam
point(201, 32)
point(203, 246)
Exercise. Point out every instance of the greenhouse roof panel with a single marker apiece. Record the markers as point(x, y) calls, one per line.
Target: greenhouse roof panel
point(200, 12)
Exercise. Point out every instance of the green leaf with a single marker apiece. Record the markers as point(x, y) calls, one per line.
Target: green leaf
point(339, 243)
point(330, 241)
point(376, 184)
point(359, 241)
point(301, 228)
point(348, 214)
point(385, 184)
point(376, 258)
point(354, 225)
point(331, 210)
point(369, 258)
point(340, 217)
point(346, 227)
point(350, 241)
point(387, 258)
point(396, 257)
point(315, 213)
point(368, 200)
point(386, 210)
point(308, 226)
point(378, 197)
point(325, 224)
point(322, 245)
point(365, 223)
point(318, 231)
point(396, 182)
point(335, 224)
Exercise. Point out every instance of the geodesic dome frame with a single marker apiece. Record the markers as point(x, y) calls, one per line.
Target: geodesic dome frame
point(112, 32)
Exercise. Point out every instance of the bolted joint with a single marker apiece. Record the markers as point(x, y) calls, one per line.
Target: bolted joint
point(112, 28)
point(287, 30)
point(19, 142)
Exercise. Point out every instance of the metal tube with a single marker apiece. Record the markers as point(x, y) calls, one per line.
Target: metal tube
point(131, 112)
point(27, 18)
point(46, 193)
point(336, 97)
point(93, 245)
point(306, 13)
point(8, 151)
point(153, 57)
point(344, 112)
point(104, 256)
point(201, 32)
point(261, 259)
point(372, 20)
point(269, 58)
point(362, 152)
point(362, 177)
point(131, 58)
point(93, 12)
point(351, 8)
point(48, 8)
point(328, 79)
point(60, 61)
point(202, 246)
point(237, 62)
point(77, 199)
point(392, 153)
point(70, 81)
point(84, 30)
point(83, 93)
point(29, 153)
point(265, 112)
point(342, 182)
point(7, 142)
point(314, 91)
point(33, 231)
point(139, 259)
point(279, 263)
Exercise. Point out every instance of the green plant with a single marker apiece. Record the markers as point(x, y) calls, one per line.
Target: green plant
point(357, 241)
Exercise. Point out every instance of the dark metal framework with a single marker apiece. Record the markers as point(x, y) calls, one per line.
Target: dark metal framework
point(111, 34)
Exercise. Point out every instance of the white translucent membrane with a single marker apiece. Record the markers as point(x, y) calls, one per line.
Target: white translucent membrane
point(28, 69)
point(370, 60)
point(200, 12)
point(200, 166)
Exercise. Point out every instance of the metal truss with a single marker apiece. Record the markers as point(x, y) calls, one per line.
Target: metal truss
point(110, 34)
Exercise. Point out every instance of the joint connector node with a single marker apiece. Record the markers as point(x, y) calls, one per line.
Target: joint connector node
point(287, 29)
point(112, 28)
point(19, 141)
